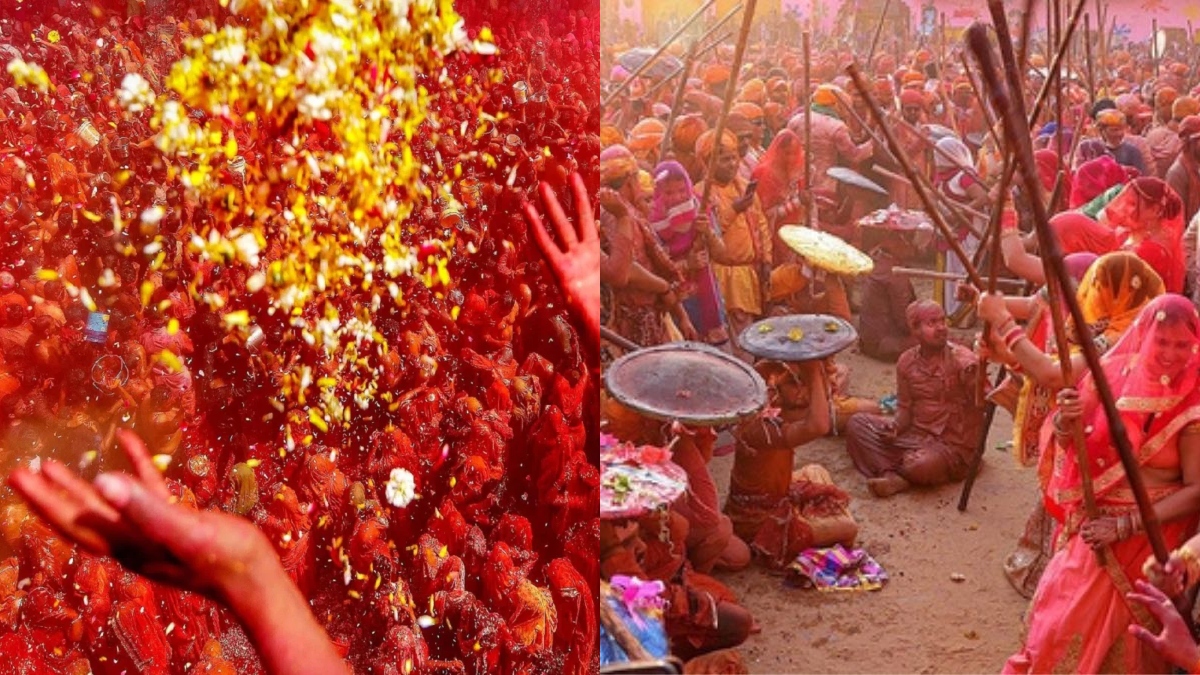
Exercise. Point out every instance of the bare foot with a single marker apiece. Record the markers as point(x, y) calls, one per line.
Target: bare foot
point(887, 485)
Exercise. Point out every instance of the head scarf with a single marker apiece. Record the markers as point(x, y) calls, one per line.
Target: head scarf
point(1076, 233)
point(1093, 178)
point(1164, 249)
point(780, 169)
point(1047, 167)
point(1112, 293)
point(953, 153)
point(1140, 392)
point(672, 222)
point(616, 163)
point(1077, 264)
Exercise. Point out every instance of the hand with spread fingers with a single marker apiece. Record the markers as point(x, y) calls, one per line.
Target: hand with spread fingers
point(133, 519)
point(1174, 642)
point(576, 263)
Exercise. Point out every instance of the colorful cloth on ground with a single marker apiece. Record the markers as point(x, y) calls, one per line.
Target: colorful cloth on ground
point(837, 569)
point(646, 625)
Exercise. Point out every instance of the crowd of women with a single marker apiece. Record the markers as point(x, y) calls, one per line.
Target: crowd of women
point(1117, 164)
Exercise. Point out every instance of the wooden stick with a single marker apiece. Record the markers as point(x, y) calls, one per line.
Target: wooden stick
point(735, 70)
point(806, 42)
point(618, 339)
point(988, 115)
point(664, 148)
point(1087, 55)
point(1018, 131)
point(617, 629)
point(657, 53)
point(1155, 57)
point(918, 273)
point(980, 448)
point(1012, 70)
point(913, 176)
point(887, 4)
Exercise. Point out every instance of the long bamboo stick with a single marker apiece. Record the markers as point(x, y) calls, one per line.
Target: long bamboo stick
point(730, 91)
point(664, 148)
point(1017, 130)
point(887, 4)
point(923, 193)
point(658, 52)
point(806, 40)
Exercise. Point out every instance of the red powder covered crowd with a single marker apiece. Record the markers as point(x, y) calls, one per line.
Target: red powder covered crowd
point(490, 566)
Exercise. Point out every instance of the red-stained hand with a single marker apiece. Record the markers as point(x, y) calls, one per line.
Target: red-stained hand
point(576, 263)
point(133, 519)
point(1174, 642)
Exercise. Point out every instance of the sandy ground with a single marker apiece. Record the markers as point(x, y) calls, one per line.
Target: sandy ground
point(922, 621)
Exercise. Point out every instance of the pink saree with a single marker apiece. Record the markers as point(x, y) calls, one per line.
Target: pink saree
point(1079, 618)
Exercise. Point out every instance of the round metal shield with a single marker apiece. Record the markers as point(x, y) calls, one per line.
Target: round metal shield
point(854, 179)
point(664, 66)
point(826, 251)
point(797, 337)
point(687, 381)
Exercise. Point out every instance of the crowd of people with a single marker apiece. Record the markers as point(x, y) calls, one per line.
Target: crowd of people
point(1115, 159)
point(452, 527)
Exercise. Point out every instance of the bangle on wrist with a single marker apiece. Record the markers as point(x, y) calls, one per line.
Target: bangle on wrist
point(1013, 337)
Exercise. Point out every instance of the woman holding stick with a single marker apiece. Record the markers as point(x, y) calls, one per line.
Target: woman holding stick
point(1078, 619)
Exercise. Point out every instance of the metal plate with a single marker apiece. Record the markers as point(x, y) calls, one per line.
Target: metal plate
point(855, 179)
point(826, 251)
point(797, 337)
point(664, 66)
point(687, 381)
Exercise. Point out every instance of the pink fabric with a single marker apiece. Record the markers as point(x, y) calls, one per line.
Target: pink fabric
point(1076, 233)
point(1079, 617)
point(673, 223)
point(1093, 178)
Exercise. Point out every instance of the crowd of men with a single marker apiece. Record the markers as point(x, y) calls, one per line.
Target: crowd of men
point(1115, 149)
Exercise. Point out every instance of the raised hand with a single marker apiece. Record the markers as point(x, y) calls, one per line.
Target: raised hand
point(576, 263)
point(133, 519)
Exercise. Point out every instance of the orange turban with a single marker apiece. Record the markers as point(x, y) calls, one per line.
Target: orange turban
point(1165, 96)
point(912, 77)
point(646, 134)
point(616, 163)
point(825, 95)
point(610, 135)
point(1110, 117)
point(685, 132)
point(1180, 69)
point(923, 56)
point(1185, 106)
point(753, 91)
point(749, 111)
point(715, 74)
point(704, 144)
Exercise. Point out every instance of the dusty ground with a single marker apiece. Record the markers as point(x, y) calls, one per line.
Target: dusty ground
point(921, 621)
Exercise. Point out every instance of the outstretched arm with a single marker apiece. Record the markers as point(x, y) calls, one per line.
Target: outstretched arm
point(133, 519)
point(576, 263)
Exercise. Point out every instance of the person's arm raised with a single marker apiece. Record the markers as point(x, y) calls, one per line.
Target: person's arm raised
point(225, 557)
